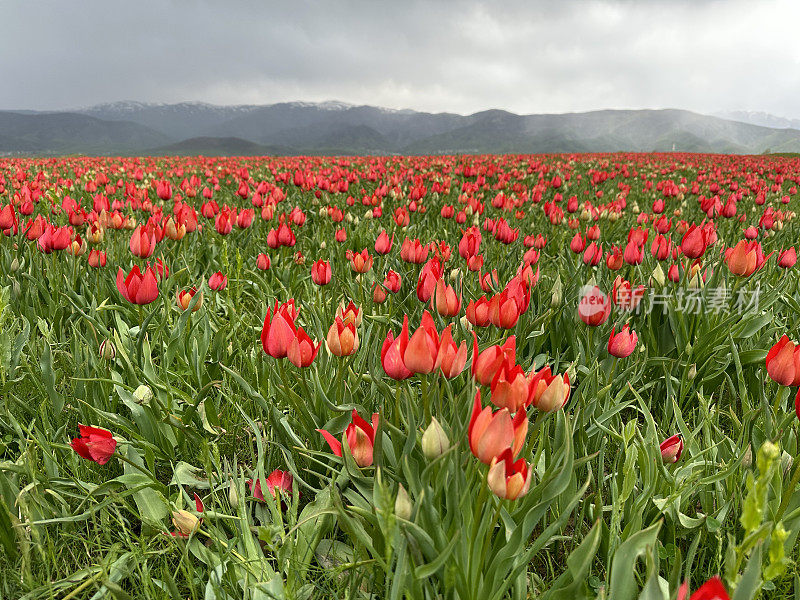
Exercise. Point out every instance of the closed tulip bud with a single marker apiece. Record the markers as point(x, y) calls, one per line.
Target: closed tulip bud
point(185, 522)
point(233, 493)
point(658, 275)
point(692, 372)
point(107, 350)
point(15, 265)
point(434, 440)
point(402, 504)
point(557, 296)
point(671, 449)
point(143, 394)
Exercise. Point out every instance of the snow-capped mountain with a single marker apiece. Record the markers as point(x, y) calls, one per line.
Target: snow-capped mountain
point(764, 119)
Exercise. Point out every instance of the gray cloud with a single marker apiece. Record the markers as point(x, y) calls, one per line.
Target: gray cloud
point(439, 56)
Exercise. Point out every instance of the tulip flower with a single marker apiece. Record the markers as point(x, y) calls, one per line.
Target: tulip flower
point(622, 344)
point(491, 433)
point(478, 312)
point(185, 298)
point(671, 449)
point(362, 262)
point(392, 282)
point(96, 258)
point(359, 437)
point(511, 387)
point(745, 258)
point(783, 362)
point(430, 274)
point(787, 258)
point(301, 350)
point(594, 307)
point(614, 259)
point(279, 329)
point(263, 262)
point(143, 241)
point(383, 245)
point(625, 295)
point(486, 364)
point(450, 359)
point(321, 272)
point(137, 287)
point(445, 300)
point(509, 479)
point(797, 403)
point(350, 313)
point(392, 353)
point(713, 589)
point(694, 242)
point(185, 522)
point(549, 392)
point(277, 482)
point(342, 339)
point(423, 347)
point(217, 281)
point(94, 444)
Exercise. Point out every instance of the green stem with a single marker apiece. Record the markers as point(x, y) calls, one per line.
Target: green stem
point(789, 491)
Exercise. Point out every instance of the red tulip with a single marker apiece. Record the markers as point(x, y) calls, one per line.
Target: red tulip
point(450, 359)
point(321, 272)
point(94, 444)
point(713, 589)
point(359, 437)
point(137, 287)
point(671, 449)
point(383, 245)
point(445, 300)
point(263, 262)
point(787, 258)
point(393, 351)
point(549, 392)
point(509, 479)
point(745, 258)
point(423, 347)
point(277, 482)
point(342, 339)
point(623, 343)
point(185, 297)
point(491, 433)
point(279, 329)
point(783, 362)
point(486, 364)
point(594, 307)
point(301, 350)
point(217, 281)
point(694, 242)
point(478, 312)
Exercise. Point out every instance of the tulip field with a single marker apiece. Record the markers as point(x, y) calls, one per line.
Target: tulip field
point(552, 377)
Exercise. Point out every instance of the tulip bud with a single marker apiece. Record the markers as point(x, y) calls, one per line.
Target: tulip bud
point(185, 522)
point(434, 440)
point(107, 350)
point(233, 493)
point(747, 459)
point(402, 504)
point(671, 449)
point(15, 265)
point(143, 394)
point(658, 275)
point(323, 245)
point(558, 293)
point(692, 372)
point(465, 324)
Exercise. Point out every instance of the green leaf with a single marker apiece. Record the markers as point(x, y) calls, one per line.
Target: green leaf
point(623, 566)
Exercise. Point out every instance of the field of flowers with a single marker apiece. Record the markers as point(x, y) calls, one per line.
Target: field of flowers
point(476, 377)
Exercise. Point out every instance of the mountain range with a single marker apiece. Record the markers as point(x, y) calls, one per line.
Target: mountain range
point(294, 128)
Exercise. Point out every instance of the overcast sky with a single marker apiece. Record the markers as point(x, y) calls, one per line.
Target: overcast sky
point(526, 56)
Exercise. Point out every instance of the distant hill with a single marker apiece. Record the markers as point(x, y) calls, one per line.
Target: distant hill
point(341, 128)
point(217, 146)
point(59, 133)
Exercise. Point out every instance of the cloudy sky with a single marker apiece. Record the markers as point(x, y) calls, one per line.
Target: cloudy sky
point(524, 56)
